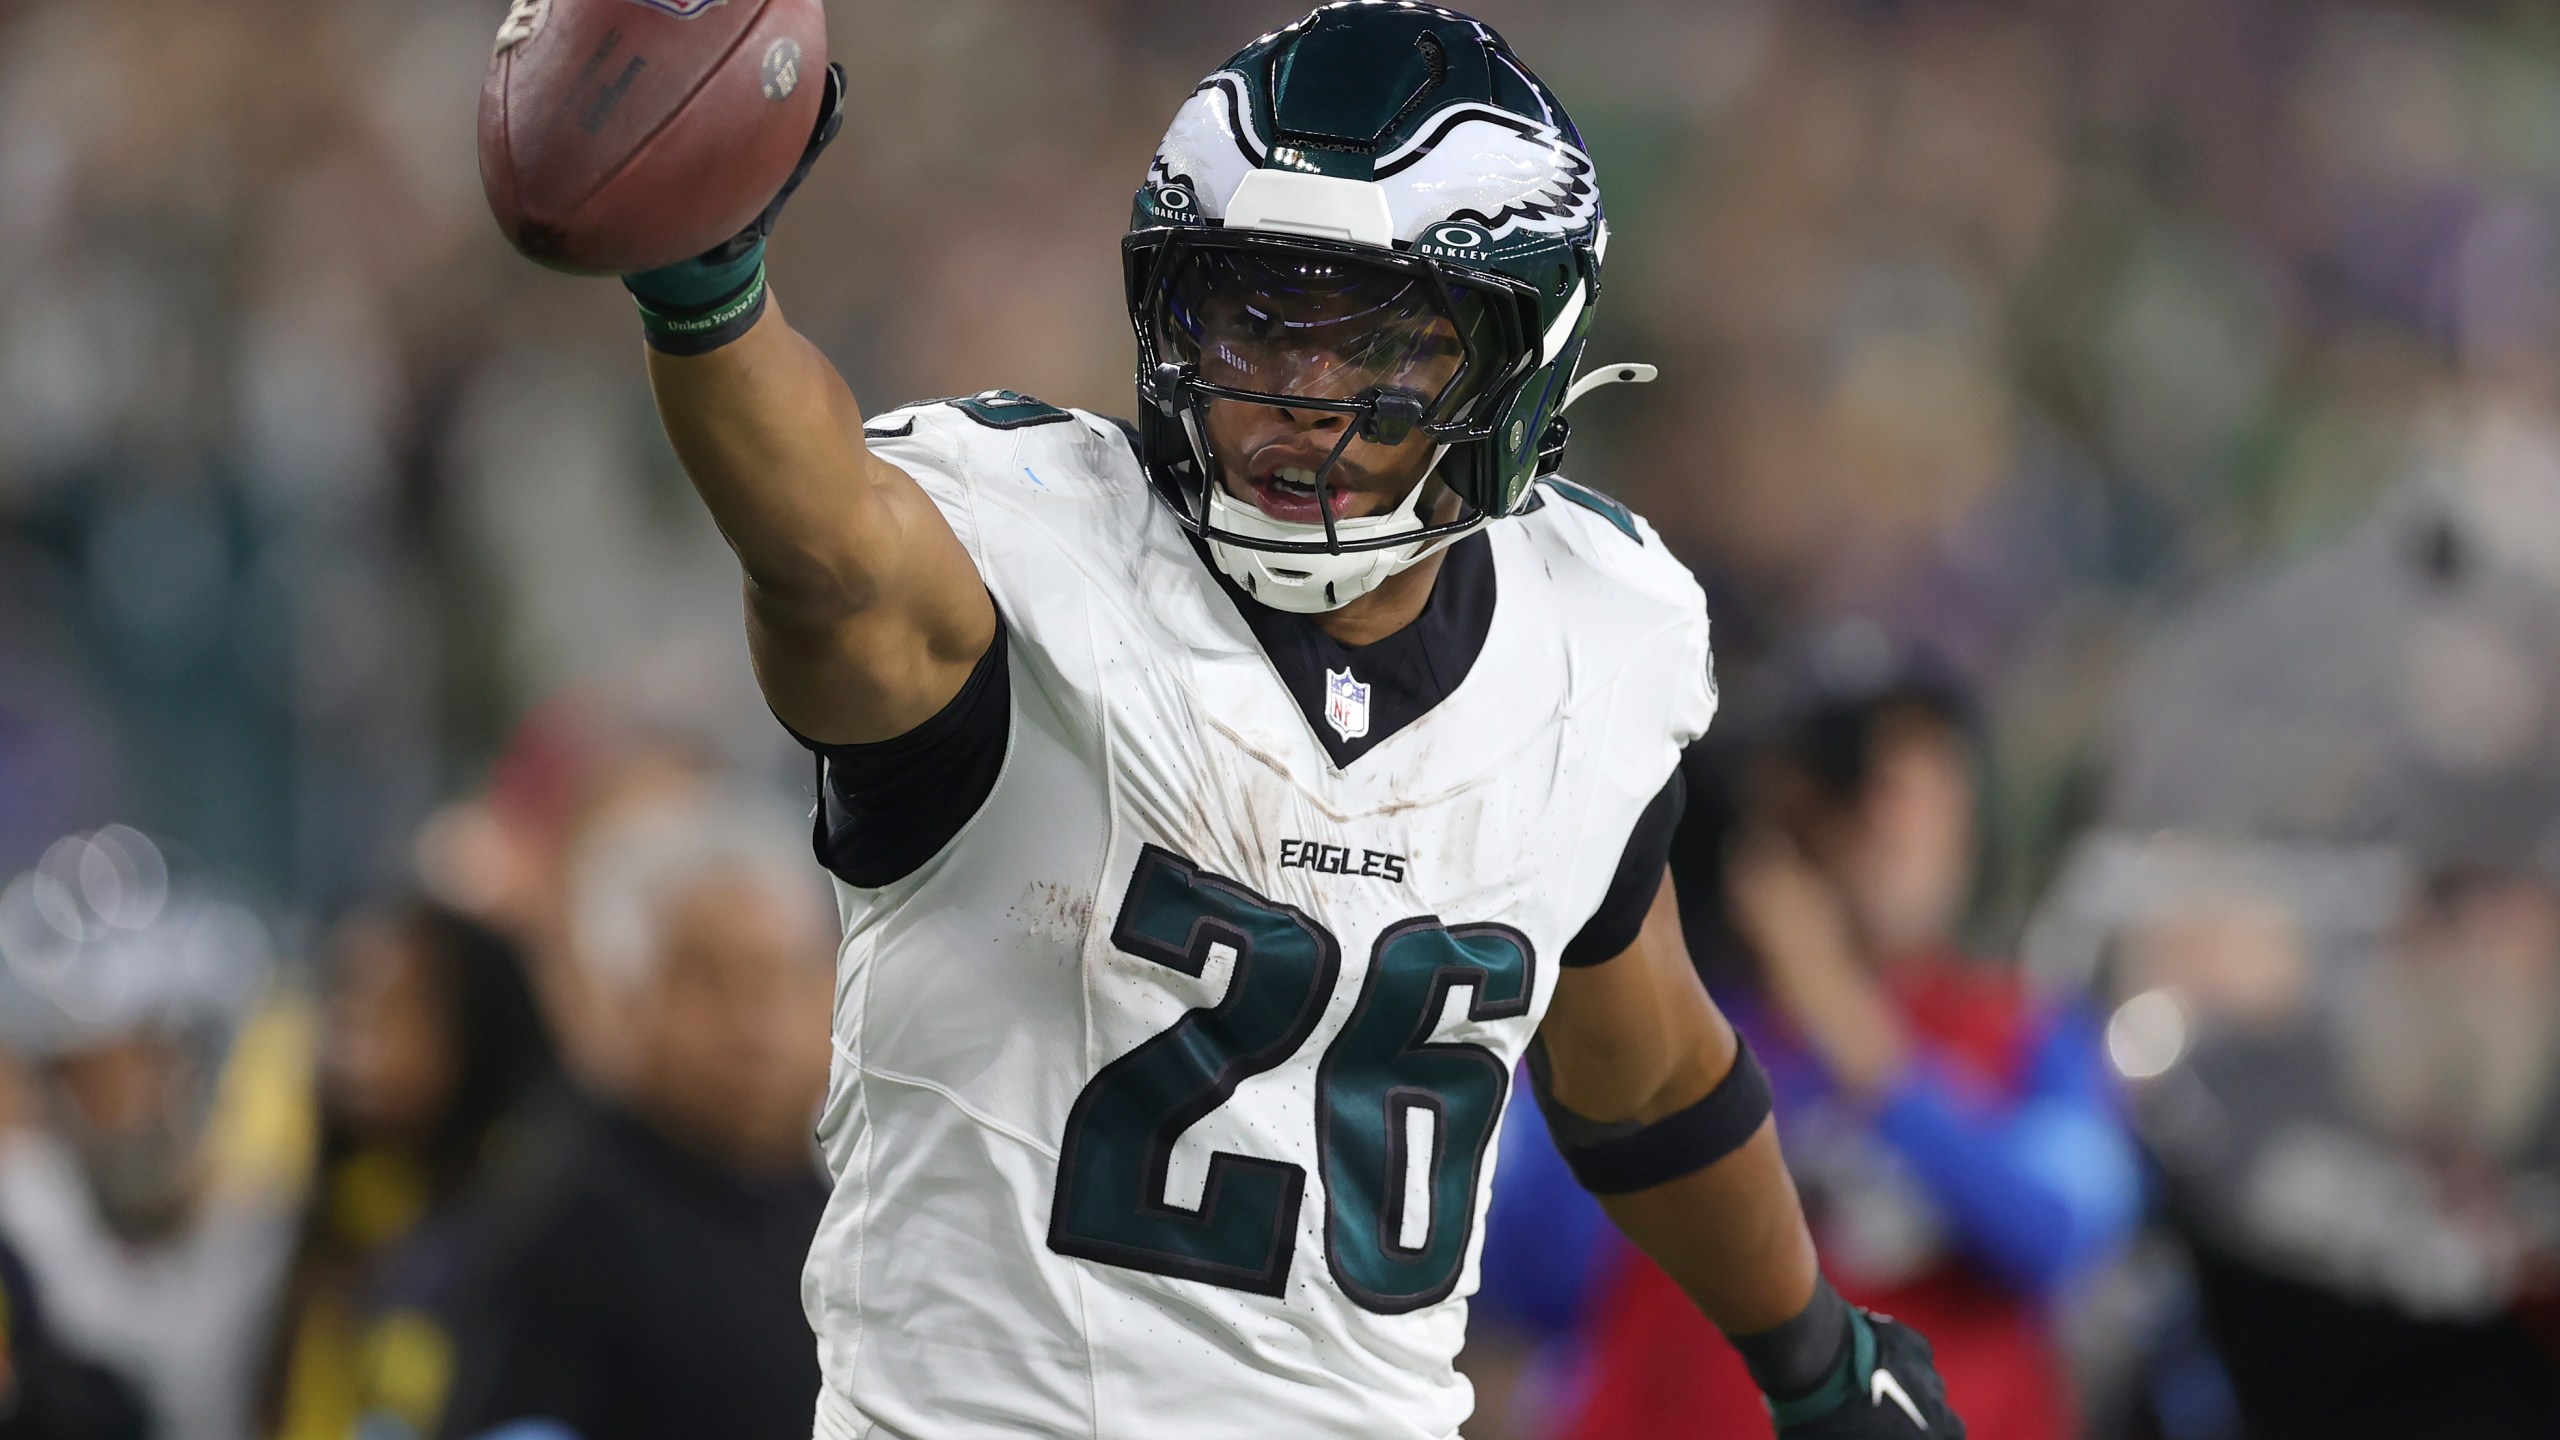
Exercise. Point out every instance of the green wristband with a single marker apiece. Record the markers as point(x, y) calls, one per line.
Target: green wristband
point(697, 332)
point(701, 304)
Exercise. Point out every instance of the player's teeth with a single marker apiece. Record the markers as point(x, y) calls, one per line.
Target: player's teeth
point(1301, 478)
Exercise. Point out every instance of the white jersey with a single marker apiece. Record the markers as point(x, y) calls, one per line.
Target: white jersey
point(1165, 1094)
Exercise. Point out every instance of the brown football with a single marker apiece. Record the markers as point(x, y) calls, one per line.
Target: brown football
point(621, 135)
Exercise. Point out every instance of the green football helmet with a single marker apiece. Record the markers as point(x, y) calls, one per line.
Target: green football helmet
point(1377, 212)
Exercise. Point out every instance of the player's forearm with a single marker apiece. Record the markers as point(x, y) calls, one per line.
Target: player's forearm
point(1663, 1114)
point(771, 438)
point(1731, 1235)
point(1731, 1232)
point(1693, 1176)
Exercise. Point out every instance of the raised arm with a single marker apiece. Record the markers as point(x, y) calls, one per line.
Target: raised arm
point(864, 612)
point(863, 609)
point(1664, 1116)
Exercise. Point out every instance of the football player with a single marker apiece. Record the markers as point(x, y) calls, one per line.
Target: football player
point(1223, 806)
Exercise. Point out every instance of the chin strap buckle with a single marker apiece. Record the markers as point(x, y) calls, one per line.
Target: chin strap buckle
point(1389, 414)
point(1551, 446)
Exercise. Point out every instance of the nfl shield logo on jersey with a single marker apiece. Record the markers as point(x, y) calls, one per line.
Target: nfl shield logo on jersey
point(1346, 705)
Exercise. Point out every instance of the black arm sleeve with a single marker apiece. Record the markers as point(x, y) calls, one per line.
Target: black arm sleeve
point(887, 807)
point(1614, 926)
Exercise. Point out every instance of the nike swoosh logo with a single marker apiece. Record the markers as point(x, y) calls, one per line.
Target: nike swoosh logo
point(1884, 1387)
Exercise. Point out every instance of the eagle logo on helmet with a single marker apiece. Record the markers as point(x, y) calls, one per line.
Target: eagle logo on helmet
point(1473, 165)
point(1208, 150)
point(1489, 168)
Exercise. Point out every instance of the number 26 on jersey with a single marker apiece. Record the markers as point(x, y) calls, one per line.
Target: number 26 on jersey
point(1402, 1121)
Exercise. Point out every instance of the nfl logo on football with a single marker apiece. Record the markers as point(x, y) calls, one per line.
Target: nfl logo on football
point(1346, 705)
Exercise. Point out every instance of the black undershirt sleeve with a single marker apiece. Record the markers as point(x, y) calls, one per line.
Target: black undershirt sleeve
point(887, 807)
point(1614, 926)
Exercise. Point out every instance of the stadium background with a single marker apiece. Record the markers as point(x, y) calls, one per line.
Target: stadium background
point(2032, 331)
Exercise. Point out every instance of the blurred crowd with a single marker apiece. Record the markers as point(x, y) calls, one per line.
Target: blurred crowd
point(450, 1179)
point(2121, 443)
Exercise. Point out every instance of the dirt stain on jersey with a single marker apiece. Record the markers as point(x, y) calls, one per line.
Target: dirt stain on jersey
point(1053, 911)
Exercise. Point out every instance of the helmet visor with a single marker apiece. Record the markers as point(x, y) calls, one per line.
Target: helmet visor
point(1298, 326)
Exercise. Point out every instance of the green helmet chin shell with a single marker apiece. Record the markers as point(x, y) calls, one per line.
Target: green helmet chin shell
point(1410, 136)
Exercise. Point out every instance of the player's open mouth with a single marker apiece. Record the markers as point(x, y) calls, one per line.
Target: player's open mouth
point(1289, 493)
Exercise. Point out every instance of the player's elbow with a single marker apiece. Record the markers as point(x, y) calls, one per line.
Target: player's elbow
point(1622, 1083)
point(1623, 1046)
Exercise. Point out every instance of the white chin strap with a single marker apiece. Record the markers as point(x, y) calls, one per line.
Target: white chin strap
point(1311, 583)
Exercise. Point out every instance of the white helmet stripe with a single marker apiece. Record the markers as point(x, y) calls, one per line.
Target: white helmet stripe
point(1560, 333)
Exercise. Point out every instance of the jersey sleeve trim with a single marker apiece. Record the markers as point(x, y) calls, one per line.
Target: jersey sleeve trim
point(887, 807)
point(1614, 926)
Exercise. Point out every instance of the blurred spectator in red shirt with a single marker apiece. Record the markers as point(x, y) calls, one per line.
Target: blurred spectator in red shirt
point(1957, 1141)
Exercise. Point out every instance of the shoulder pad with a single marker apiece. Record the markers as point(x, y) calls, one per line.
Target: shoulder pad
point(992, 409)
point(1601, 549)
point(1005, 410)
point(1001, 443)
point(1607, 507)
point(1632, 614)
